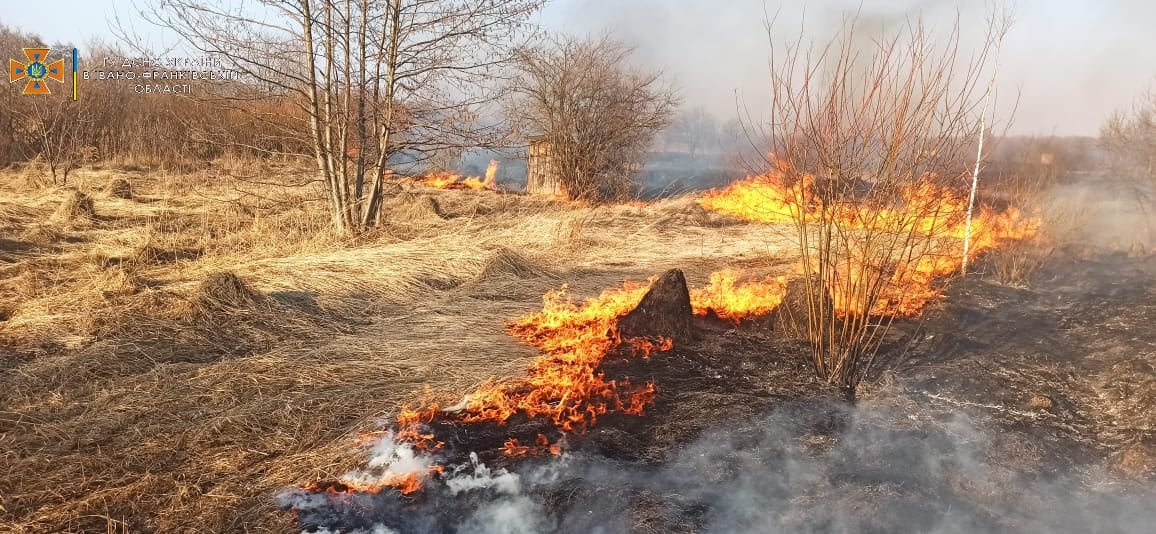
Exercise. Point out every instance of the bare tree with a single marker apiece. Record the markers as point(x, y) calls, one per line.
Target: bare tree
point(872, 140)
point(371, 78)
point(1129, 138)
point(598, 113)
point(57, 127)
point(695, 129)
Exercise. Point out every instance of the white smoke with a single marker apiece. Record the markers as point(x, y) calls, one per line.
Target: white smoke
point(890, 466)
point(390, 460)
point(478, 476)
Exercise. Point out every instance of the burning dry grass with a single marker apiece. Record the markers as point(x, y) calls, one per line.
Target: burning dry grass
point(449, 180)
point(934, 217)
point(184, 353)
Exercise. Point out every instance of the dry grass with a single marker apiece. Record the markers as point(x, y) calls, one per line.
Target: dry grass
point(173, 359)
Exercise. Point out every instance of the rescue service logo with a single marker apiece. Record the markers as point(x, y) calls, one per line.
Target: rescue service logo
point(37, 71)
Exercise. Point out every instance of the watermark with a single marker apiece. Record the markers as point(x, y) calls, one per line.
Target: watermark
point(37, 71)
point(161, 75)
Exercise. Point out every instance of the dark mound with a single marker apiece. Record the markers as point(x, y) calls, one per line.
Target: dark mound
point(665, 311)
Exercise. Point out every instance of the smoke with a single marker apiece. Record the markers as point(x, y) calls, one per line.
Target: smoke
point(1079, 57)
point(1105, 214)
point(803, 469)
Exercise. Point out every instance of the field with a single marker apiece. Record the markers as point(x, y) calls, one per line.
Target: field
point(179, 350)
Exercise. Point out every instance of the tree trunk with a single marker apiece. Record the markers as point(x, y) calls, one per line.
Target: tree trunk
point(373, 207)
point(315, 126)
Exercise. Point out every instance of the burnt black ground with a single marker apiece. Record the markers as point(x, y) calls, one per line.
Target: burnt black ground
point(1004, 410)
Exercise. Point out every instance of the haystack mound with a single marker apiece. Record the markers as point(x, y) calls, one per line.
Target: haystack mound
point(77, 206)
point(687, 211)
point(120, 282)
point(505, 263)
point(415, 208)
point(119, 188)
point(792, 314)
point(225, 291)
point(664, 310)
point(465, 204)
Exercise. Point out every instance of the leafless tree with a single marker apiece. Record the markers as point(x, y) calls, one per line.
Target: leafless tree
point(598, 113)
point(1129, 138)
point(57, 128)
point(858, 128)
point(695, 129)
point(369, 78)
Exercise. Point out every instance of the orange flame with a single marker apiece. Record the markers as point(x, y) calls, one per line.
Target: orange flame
point(565, 384)
point(406, 483)
point(932, 213)
point(732, 300)
point(541, 445)
point(447, 180)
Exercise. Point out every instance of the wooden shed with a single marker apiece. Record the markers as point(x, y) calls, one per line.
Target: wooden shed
point(542, 173)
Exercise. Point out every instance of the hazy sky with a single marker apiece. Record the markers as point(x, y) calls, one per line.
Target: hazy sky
point(1071, 61)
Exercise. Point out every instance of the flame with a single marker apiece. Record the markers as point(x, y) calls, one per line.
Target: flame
point(732, 300)
point(406, 483)
point(447, 180)
point(564, 384)
point(764, 198)
point(934, 215)
point(541, 445)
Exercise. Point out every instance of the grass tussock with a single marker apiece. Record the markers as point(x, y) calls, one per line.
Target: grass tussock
point(224, 291)
point(119, 188)
point(76, 207)
point(508, 263)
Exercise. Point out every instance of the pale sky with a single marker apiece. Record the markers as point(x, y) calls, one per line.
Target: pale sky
point(1072, 62)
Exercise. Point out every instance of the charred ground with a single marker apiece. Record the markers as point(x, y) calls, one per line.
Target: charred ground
point(1004, 410)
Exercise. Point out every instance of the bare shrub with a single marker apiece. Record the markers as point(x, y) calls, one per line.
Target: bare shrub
point(598, 113)
point(868, 137)
point(1129, 138)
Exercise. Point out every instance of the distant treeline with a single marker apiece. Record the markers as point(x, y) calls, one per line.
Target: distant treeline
point(134, 120)
point(116, 120)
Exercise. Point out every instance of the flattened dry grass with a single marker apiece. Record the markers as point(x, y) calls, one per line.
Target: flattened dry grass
point(172, 359)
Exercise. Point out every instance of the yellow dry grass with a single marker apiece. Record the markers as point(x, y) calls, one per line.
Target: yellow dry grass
point(172, 357)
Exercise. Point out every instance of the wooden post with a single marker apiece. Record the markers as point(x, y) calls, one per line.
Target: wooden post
point(542, 177)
